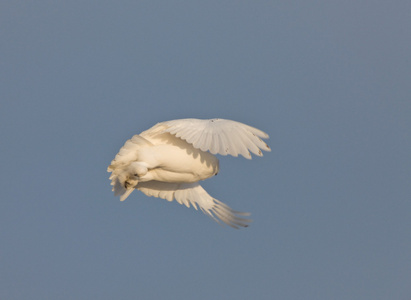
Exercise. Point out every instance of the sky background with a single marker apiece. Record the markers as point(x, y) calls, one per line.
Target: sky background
point(329, 81)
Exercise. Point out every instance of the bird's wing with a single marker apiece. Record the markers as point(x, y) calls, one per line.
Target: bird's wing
point(218, 136)
point(194, 194)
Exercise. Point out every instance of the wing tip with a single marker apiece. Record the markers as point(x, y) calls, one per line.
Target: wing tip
point(233, 218)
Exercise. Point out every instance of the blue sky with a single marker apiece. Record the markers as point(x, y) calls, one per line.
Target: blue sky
point(328, 81)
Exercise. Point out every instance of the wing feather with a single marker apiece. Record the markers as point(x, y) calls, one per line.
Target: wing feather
point(218, 136)
point(193, 194)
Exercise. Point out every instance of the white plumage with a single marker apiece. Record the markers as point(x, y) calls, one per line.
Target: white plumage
point(168, 160)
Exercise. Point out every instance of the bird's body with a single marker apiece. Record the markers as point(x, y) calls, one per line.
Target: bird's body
point(169, 160)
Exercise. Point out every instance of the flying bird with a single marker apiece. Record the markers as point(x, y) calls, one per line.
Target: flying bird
point(169, 159)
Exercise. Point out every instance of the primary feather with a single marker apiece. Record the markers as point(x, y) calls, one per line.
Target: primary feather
point(168, 160)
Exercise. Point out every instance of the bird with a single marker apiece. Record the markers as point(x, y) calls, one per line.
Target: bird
point(169, 160)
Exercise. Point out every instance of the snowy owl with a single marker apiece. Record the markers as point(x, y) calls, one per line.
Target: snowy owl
point(169, 159)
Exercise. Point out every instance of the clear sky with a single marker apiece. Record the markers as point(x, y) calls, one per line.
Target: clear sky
point(329, 81)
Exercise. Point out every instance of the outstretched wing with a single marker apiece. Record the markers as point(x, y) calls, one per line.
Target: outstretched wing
point(193, 194)
point(218, 136)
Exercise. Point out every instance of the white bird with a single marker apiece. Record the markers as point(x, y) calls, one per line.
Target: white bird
point(169, 159)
